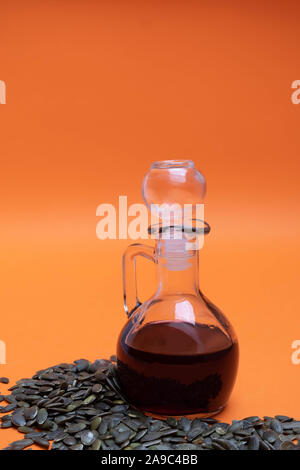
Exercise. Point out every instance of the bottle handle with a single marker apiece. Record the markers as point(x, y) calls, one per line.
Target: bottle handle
point(131, 300)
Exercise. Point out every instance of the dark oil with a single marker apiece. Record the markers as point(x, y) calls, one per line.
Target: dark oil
point(175, 368)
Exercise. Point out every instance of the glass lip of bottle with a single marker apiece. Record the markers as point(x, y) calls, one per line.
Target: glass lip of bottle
point(195, 227)
point(169, 164)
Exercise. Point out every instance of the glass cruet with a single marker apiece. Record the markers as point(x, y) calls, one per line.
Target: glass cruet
point(177, 353)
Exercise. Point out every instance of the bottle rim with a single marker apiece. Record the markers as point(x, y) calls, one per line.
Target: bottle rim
point(171, 164)
point(196, 226)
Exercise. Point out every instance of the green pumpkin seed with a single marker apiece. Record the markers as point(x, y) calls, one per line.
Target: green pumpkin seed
point(42, 416)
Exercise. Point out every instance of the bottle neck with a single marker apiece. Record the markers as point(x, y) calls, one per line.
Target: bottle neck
point(178, 268)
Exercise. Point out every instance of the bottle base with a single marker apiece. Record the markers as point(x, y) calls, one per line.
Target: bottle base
point(194, 414)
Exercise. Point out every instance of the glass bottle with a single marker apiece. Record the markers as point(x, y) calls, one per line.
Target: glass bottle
point(177, 354)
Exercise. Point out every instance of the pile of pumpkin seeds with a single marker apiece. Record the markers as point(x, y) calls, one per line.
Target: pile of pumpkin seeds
point(80, 406)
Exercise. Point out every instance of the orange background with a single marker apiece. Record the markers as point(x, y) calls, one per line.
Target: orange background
point(96, 91)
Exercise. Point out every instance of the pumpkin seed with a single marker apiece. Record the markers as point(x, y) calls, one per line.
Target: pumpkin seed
point(88, 437)
point(4, 380)
point(42, 416)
